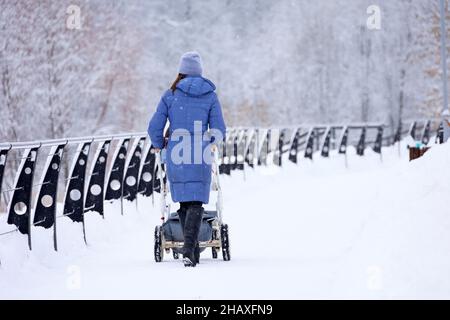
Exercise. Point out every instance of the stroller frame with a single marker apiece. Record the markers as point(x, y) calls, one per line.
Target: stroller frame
point(219, 240)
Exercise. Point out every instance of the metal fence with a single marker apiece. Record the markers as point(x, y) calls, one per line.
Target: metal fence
point(83, 173)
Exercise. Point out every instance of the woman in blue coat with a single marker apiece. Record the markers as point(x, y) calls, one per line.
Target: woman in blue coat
point(196, 121)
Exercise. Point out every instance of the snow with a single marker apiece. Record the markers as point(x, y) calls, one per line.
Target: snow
point(377, 229)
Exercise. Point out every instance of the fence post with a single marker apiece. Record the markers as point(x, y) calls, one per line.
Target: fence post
point(325, 148)
point(146, 176)
point(361, 143)
point(114, 187)
point(45, 207)
point(310, 144)
point(20, 204)
point(74, 197)
point(250, 149)
point(445, 125)
point(131, 178)
point(96, 180)
point(412, 130)
point(426, 133)
point(379, 142)
point(3, 157)
point(293, 150)
point(343, 144)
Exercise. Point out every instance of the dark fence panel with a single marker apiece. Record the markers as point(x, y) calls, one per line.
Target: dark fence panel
point(96, 180)
point(45, 208)
point(147, 174)
point(3, 158)
point(131, 179)
point(20, 205)
point(115, 180)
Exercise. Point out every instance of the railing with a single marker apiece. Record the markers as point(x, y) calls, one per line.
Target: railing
point(121, 167)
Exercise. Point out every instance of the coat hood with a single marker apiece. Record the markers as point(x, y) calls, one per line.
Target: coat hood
point(196, 86)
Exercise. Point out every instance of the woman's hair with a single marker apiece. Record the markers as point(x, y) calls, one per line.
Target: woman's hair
point(174, 84)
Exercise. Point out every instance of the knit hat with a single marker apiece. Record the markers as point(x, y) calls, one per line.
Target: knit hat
point(191, 64)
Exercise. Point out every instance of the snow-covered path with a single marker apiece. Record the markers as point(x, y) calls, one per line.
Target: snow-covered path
point(313, 230)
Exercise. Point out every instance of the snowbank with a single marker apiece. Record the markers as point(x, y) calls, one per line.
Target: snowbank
point(377, 229)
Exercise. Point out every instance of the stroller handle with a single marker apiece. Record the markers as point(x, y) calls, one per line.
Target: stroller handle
point(164, 207)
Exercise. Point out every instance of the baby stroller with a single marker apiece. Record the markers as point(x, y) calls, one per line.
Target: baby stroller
point(213, 232)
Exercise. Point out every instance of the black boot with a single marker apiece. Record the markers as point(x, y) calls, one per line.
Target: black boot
point(197, 253)
point(182, 215)
point(194, 217)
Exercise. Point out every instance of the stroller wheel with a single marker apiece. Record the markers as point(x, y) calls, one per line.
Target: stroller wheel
point(225, 242)
point(175, 255)
point(159, 252)
point(214, 252)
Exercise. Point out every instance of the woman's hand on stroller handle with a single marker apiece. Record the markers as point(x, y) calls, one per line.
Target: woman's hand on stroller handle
point(153, 149)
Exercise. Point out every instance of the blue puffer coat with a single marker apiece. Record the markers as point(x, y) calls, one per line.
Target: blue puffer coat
point(193, 100)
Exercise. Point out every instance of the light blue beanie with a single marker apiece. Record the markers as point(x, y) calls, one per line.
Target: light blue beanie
point(191, 64)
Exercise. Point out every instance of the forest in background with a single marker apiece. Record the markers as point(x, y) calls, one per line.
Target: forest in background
point(282, 62)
